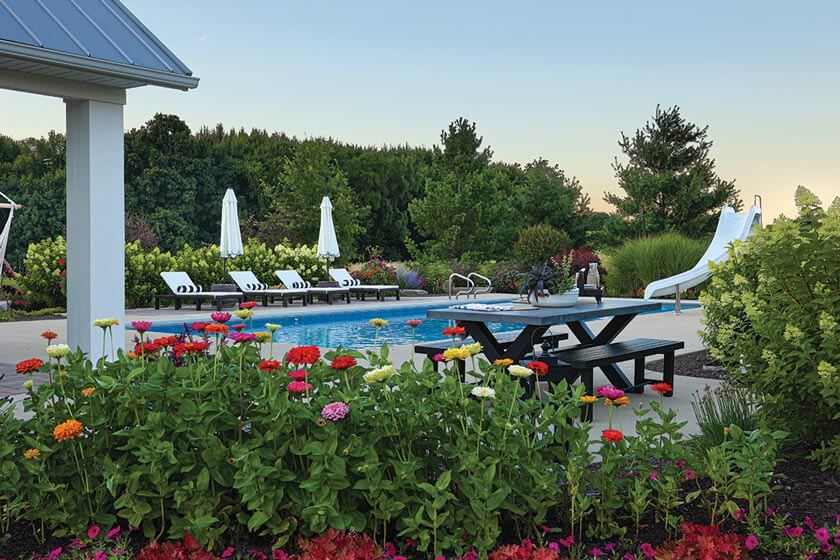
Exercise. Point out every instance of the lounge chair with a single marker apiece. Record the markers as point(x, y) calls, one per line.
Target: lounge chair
point(183, 288)
point(344, 279)
point(292, 280)
point(252, 287)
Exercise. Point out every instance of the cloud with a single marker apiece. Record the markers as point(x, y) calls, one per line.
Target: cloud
point(200, 38)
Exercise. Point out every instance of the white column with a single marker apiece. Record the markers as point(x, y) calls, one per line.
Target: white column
point(95, 223)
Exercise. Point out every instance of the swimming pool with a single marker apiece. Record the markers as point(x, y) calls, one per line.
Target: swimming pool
point(349, 326)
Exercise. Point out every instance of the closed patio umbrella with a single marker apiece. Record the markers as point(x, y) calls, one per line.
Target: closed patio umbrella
point(230, 244)
point(327, 242)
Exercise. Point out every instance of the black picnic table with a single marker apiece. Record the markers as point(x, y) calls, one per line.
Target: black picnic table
point(537, 321)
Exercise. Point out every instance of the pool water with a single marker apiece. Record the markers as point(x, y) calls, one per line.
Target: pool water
point(349, 326)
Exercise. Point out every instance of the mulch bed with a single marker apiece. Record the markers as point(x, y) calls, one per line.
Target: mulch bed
point(24, 318)
point(802, 489)
point(691, 364)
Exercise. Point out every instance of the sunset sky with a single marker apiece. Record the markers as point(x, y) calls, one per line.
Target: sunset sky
point(558, 80)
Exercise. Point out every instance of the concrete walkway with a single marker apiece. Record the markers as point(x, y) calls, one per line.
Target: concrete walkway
point(21, 340)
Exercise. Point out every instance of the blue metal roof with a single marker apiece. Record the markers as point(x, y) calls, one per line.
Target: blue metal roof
point(98, 36)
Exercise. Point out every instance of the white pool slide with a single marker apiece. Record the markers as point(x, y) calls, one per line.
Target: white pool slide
point(731, 226)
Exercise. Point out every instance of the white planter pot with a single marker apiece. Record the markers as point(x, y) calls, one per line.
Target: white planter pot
point(566, 299)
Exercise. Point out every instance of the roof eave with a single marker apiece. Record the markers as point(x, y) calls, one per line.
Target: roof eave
point(97, 66)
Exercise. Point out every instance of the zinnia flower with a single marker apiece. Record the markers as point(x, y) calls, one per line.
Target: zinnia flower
point(455, 354)
point(29, 366)
point(413, 323)
point(244, 313)
point(32, 453)
point(88, 391)
point(473, 349)
point(335, 411)
point(482, 392)
point(58, 351)
point(379, 374)
point(519, 371)
point(454, 331)
point(263, 336)
point(106, 322)
point(220, 316)
point(141, 326)
point(609, 392)
point(298, 387)
point(343, 362)
point(540, 368)
point(268, 365)
point(438, 357)
point(196, 346)
point(503, 362)
point(377, 322)
point(247, 305)
point(273, 327)
point(198, 326)
point(612, 436)
point(49, 335)
point(242, 337)
point(28, 384)
point(216, 328)
point(662, 388)
point(298, 374)
point(303, 355)
point(588, 399)
point(68, 430)
point(620, 401)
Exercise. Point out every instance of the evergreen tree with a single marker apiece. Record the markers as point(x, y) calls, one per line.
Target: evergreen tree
point(669, 178)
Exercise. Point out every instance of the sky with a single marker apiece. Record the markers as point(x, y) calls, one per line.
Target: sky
point(555, 79)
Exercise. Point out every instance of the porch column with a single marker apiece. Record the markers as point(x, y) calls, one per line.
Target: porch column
point(95, 223)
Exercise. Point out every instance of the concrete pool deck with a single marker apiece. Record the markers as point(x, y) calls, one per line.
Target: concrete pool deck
point(21, 340)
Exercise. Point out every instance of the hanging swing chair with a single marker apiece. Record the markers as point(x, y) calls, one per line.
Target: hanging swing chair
point(4, 233)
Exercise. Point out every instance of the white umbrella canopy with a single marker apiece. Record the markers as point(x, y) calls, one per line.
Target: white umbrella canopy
point(230, 244)
point(327, 242)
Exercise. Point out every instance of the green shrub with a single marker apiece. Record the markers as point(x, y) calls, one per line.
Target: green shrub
point(142, 273)
point(772, 316)
point(259, 259)
point(637, 263)
point(44, 280)
point(435, 273)
point(539, 243)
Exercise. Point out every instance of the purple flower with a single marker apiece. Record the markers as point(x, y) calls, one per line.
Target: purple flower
point(335, 411)
point(751, 543)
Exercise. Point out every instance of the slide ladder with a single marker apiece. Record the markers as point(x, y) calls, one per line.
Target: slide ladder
point(731, 226)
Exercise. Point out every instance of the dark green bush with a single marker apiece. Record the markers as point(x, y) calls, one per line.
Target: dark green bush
point(539, 243)
point(637, 263)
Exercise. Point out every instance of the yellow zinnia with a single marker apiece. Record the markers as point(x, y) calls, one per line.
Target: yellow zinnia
point(263, 336)
point(588, 399)
point(455, 354)
point(377, 322)
point(32, 453)
point(473, 349)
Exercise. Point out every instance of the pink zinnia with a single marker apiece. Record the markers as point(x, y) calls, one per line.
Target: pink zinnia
point(93, 531)
point(141, 326)
point(413, 323)
point(242, 337)
point(298, 374)
point(220, 316)
point(335, 411)
point(298, 387)
point(751, 542)
point(609, 392)
point(437, 358)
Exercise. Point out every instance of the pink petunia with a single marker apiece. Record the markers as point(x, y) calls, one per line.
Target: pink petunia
point(227, 553)
point(689, 474)
point(114, 533)
point(751, 542)
point(822, 535)
point(793, 532)
point(100, 555)
point(279, 554)
point(647, 550)
point(596, 552)
point(54, 553)
point(93, 531)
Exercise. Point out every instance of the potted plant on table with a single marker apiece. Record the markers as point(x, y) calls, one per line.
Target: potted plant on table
point(550, 286)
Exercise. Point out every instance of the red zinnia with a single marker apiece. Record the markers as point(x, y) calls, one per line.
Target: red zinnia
point(612, 436)
point(247, 305)
point(49, 335)
point(145, 348)
point(268, 365)
point(165, 341)
point(197, 346)
point(298, 374)
point(539, 368)
point(300, 355)
point(29, 366)
point(298, 387)
point(239, 327)
point(343, 362)
point(662, 388)
point(216, 328)
point(198, 326)
point(413, 323)
point(454, 331)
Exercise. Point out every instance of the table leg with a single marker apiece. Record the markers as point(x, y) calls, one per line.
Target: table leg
point(609, 333)
point(493, 350)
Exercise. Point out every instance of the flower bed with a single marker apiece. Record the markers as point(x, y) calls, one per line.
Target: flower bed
point(210, 434)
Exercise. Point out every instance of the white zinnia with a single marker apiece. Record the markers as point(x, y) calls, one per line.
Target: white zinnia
point(519, 371)
point(483, 392)
point(58, 350)
point(379, 374)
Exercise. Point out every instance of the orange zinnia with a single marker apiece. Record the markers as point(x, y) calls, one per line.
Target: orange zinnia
point(68, 430)
point(88, 391)
point(662, 388)
point(49, 335)
point(588, 399)
point(216, 328)
point(32, 453)
point(29, 366)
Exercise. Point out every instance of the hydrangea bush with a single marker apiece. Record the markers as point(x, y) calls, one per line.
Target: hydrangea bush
point(45, 270)
point(773, 319)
